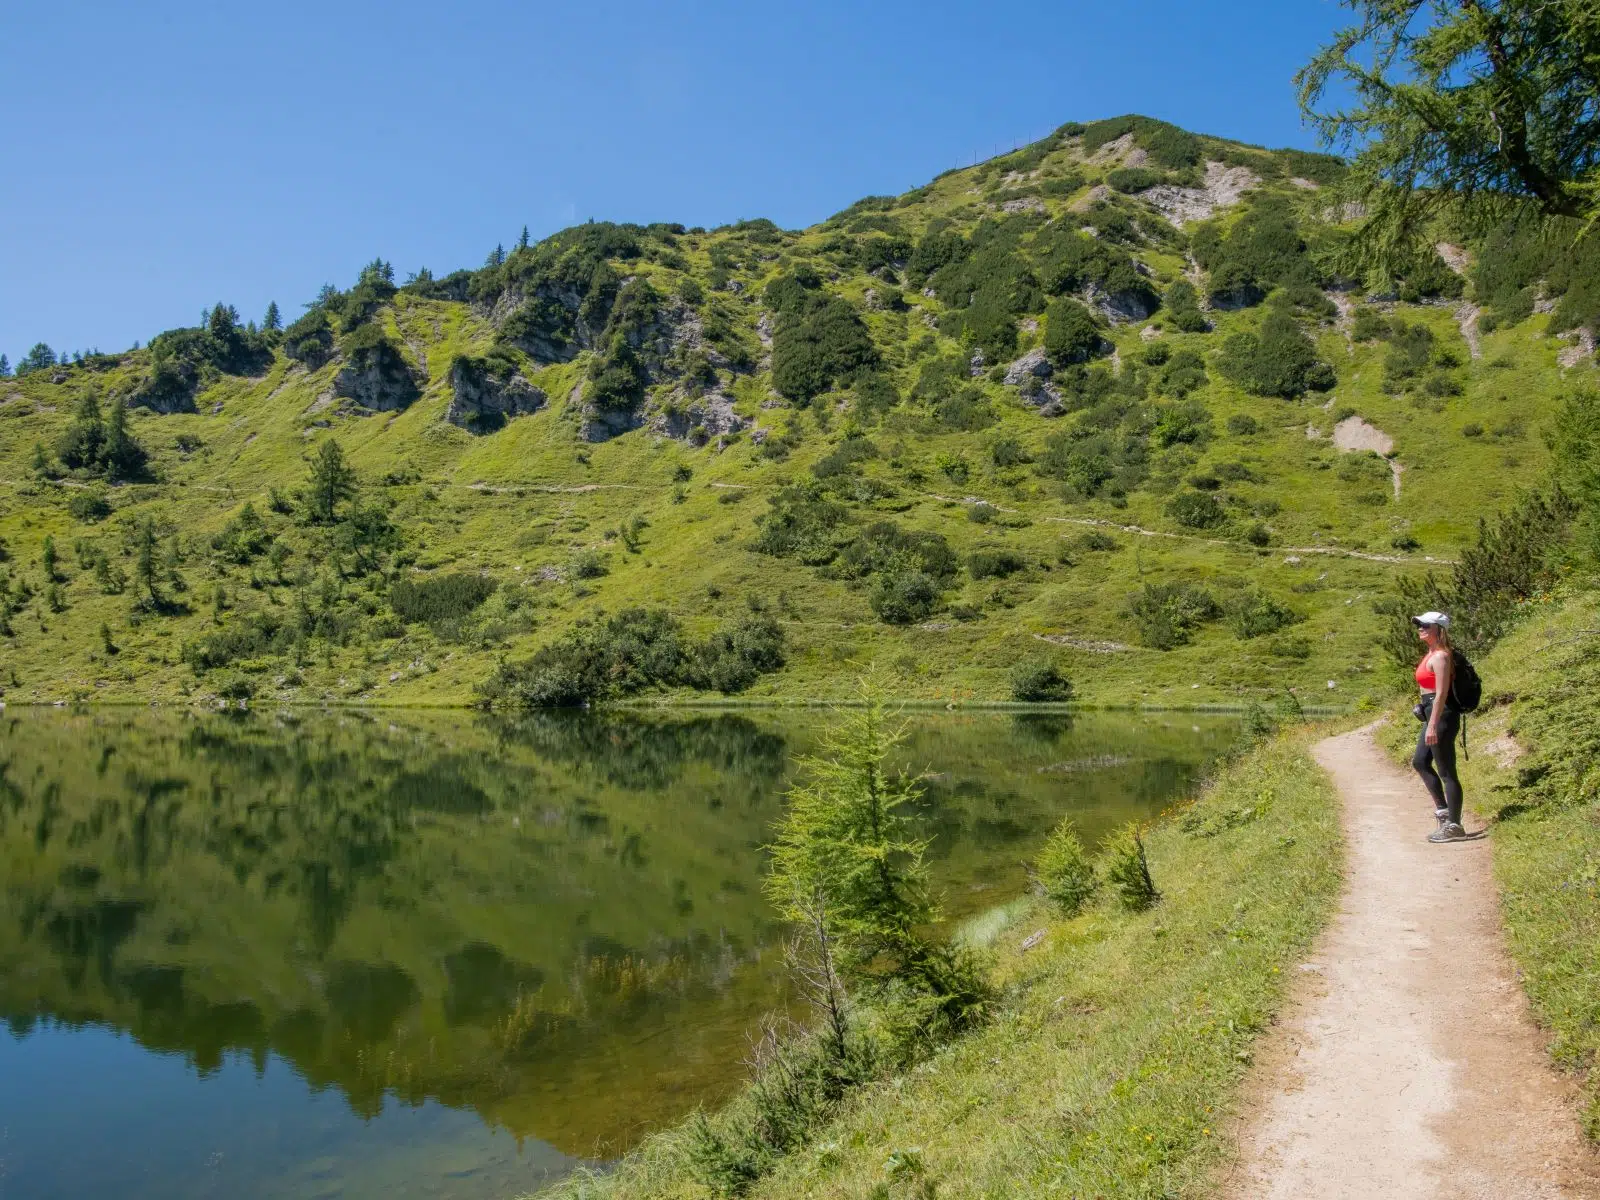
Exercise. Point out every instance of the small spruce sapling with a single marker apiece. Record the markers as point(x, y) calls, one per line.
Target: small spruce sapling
point(1064, 870)
point(1128, 870)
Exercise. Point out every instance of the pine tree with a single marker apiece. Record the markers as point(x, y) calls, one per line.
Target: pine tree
point(5, 367)
point(145, 563)
point(124, 458)
point(38, 358)
point(48, 560)
point(331, 481)
point(83, 441)
point(273, 321)
point(522, 242)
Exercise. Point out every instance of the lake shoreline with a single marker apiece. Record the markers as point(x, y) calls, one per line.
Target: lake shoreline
point(1125, 1034)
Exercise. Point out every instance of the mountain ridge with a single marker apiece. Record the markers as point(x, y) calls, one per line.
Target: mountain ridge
point(1071, 410)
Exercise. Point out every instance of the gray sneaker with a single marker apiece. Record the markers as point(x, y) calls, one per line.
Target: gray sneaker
point(1440, 817)
point(1448, 831)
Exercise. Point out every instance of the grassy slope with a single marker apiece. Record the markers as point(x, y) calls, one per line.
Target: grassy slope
point(563, 497)
point(1110, 1067)
point(1532, 772)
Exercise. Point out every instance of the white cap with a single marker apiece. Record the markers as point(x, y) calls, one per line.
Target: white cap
point(1440, 619)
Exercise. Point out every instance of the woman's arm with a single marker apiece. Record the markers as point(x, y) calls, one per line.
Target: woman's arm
point(1443, 667)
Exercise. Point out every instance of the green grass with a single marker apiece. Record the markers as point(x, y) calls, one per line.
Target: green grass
point(1112, 1065)
point(1533, 773)
point(522, 503)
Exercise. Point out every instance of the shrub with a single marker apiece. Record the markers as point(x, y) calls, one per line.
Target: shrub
point(904, 595)
point(986, 564)
point(1166, 614)
point(1196, 510)
point(1131, 180)
point(1243, 425)
point(441, 597)
point(1261, 250)
point(1071, 333)
point(818, 342)
point(1278, 360)
point(1095, 540)
point(1128, 870)
point(1065, 871)
point(89, 505)
point(1369, 325)
point(634, 651)
point(1008, 452)
point(801, 523)
point(1040, 682)
point(883, 546)
point(1256, 613)
point(1183, 308)
point(736, 655)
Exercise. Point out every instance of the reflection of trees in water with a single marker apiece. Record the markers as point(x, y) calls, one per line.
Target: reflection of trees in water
point(171, 836)
point(645, 753)
point(473, 909)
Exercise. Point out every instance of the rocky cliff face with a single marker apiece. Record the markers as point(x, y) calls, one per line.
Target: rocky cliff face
point(483, 400)
point(377, 376)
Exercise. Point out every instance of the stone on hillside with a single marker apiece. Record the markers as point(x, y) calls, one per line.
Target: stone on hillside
point(1223, 187)
point(1121, 308)
point(1035, 364)
point(483, 400)
point(698, 421)
point(976, 364)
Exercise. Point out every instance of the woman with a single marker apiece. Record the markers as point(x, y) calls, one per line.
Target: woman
point(1435, 759)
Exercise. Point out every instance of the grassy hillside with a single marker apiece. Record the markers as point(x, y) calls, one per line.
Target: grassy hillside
point(716, 423)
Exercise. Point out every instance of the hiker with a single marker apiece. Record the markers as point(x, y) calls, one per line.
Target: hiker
point(1435, 758)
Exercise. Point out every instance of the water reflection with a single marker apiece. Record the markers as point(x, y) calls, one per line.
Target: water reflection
point(554, 922)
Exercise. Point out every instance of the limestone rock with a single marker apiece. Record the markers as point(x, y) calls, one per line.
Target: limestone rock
point(483, 400)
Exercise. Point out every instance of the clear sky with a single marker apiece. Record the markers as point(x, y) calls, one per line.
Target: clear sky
point(167, 155)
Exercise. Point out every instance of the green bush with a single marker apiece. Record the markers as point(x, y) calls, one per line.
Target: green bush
point(1071, 333)
point(1065, 871)
point(310, 339)
point(634, 651)
point(819, 341)
point(1196, 510)
point(1131, 180)
point(428, 599)
point(884, 546)
point(1262, 250)
point(904, 595)
point(1257, 613)
point(1243, 425)
point(1167, 614)
point(997, 564)
point(1183, 308)
point(89, 505)
point(1278, 360)
point(1040, 683)
point(801, 522)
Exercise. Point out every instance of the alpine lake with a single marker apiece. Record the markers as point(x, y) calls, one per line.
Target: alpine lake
point(439, 954)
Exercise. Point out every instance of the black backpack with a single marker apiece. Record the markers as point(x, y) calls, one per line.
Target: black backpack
point(1466, 689)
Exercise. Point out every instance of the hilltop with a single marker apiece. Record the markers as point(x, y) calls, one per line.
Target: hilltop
point(1096, 409)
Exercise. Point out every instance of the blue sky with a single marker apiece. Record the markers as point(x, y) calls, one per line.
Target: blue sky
point(167, 155)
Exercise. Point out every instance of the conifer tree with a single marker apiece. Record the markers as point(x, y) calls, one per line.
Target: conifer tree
point(124, 458)
point(522, 242)
point(331, 481)
point(273, 321)
point(5, 367)
point(145, 563)
point(48, 560)
point(83, 441)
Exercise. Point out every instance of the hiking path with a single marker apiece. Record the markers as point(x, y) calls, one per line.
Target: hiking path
point(1406, 1063)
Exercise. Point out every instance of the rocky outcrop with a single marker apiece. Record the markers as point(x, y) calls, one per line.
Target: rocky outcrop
point(1031, 367)
point(485, 394)
point(1123, 307)
point(377, 376)
point(1223, 187)
point(699, 421)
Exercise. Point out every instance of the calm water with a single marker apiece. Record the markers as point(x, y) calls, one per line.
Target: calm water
point(437, 955)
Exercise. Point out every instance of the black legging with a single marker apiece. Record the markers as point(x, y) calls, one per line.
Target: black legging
point(1437, 763)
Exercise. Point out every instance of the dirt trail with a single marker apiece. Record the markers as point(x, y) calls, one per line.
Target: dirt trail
point(1407, 1065)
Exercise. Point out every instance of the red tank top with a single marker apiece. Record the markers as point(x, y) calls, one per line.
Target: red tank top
point(1426, 680)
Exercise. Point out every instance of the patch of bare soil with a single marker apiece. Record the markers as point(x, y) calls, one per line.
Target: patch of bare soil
point(1407, 1065)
